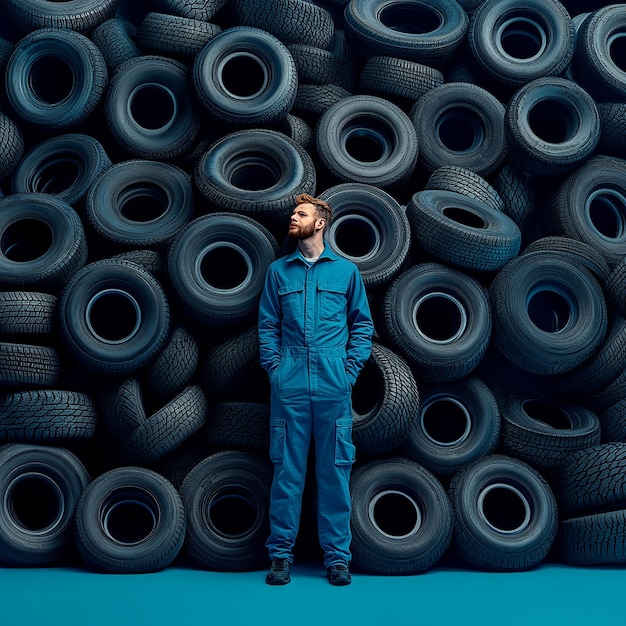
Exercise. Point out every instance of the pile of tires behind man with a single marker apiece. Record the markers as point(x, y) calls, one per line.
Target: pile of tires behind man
point(473, 154)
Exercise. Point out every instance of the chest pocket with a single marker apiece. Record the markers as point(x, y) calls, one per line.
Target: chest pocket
point(292, 300)
point(332, 298)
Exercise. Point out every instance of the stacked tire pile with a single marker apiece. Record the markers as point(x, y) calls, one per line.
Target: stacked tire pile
point(473, 153)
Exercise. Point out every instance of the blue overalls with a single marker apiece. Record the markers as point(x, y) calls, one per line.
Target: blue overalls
point(315, 335)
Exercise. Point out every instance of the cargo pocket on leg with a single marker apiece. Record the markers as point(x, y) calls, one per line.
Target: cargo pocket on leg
point(277, 439)
point(345, 450)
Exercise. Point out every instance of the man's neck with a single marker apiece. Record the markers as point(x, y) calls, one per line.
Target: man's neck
point(311, 248)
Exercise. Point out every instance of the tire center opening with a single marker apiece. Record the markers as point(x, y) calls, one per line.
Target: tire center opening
point(445, 421)
point(35, 502)
point(459, 130)
point(129, 516)
point(143, 202)
point(232, 513)
point(411, 18)
point(521, 38)
point(395, 514)
point(439, 317)
point(113, 316)
point(554, 121)
point(243, 76)
point(606, 209)
point(225, 267)
point(549, 310)
point(26, 240)
point(57, 174)
point(616, 45)
point(464, 217)
point(368, 139)
point(547, 413)
point(504, 508)
point(357, 236)
point(152, 106)
point(252, 171)
point(51, 79)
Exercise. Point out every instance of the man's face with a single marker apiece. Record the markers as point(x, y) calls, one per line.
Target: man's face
point(303, 221)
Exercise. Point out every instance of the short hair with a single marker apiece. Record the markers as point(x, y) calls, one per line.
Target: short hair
point(323, 208)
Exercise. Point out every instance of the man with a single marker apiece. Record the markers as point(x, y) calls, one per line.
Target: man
point(315, 335)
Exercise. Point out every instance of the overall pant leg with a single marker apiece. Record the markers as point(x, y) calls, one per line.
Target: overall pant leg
point(290, 438)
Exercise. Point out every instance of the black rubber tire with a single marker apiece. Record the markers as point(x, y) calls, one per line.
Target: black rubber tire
point(231, 369)
point(397, 79)
point(467, 182)
point(47, 416)
point(460, 124)
point(26, 314)
point(517, 193)
point(544, 430)
point(126, 342)
point(172, 369)
point(589, 206)
point(42, 241)
point(592, 480)
point(175, 36)
point(81, 16)
point(316, 66)
point(226, 499)
point(367, 139)
point(552, 125)
point(297, 129)
point(457, 423)
point(217, 267)
point(239, 426)
point(150, 260)
point(549, 315)
point(312, 101)
point(166, 429)
point(55, 78)
point(115, 39)
point(505, 515)
point(598, 65)
point(292, 21)
point(120, 404)
point(593, 539)
point(149, 110)
point(427, 32)
point(29, 366)
point(449, 337)
point(203, 10)
point(12, 141)
point(129, 520)
point(401, 517)
point(63, 166)
point(385, 403)
point(39, 489)
point(370, 228)
point(256, 172)
point(514, 42)
point(461, 231)
point(613, 422)
point(613, 128)
point(615, 288)
point(139, 204)
point(245, 77)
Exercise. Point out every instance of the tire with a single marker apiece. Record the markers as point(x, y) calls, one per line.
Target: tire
point(543, 430)
point(517, 193)
point(370, 229)
point(513, 43)
point(217, 267)
point(264, 96)
point(129, 520)
point(589, 206)
point(26, 314)
point(291, 21)
point(115, 39)
point(460, 124)
point(150, 260)
point(139, 204)
point(312, 101)
point(255, 172)
point(125, 343)
point(613, 422)
point(175, 36)
point(63, 166)
point(385, 27)
point(42, 242)
point(366, 139)
point(597, 63)
point(46, 416)
point(593, 539)
point(316, 66)
point(552, 125)
point(457, 423)
point(296, 129)
point(615, 288)
point(40, 487)
point(385, 403)
point(239, 426)
point(166, 429)
point(401, 517)
point(399, 80)
point(12, 141)
point(226, 499)
point(549, 315)
point(592, 480)
point(81, 16)
point(439, 320)
point(25, 365)
point(613, 128)
point(149, 110)
point(80, 79)
point(461, 231)
point(191, 9)
point(505, 515)
point(120, 403)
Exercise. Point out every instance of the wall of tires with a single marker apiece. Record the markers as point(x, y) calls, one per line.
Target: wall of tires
point(473, 152)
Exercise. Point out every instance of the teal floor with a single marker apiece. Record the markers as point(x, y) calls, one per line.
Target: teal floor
point(553, 595)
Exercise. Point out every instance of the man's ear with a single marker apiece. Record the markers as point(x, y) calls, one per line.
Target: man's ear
point(321, 222)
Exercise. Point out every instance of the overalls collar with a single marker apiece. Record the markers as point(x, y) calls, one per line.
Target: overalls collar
point(327, 254)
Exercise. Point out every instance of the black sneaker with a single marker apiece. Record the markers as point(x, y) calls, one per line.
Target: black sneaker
point(279, 572)
point(338, 575)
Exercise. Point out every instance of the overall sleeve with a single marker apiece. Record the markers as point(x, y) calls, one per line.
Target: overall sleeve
point(269, 323)
point(361, 328)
